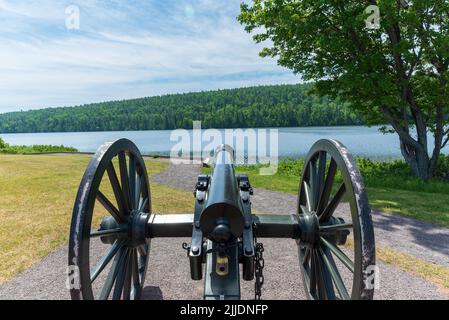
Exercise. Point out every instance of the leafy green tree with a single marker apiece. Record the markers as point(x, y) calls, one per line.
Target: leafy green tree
point(3, 144)
point(284, 105)
point(396, 74)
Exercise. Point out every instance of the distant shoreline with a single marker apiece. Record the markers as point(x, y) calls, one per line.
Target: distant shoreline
point(204, 128)
point(293, 142)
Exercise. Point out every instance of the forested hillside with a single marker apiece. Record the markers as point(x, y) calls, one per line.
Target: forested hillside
point(263, 106)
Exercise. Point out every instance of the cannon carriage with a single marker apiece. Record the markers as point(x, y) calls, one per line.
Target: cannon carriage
point(335, 247)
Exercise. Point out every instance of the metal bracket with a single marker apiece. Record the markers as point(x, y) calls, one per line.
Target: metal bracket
point(201, 187)
point(196, 251)
point(244, 184)
point(248, 238)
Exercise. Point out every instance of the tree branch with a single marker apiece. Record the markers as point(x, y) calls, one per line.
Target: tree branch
point(445, 142)
point(404, 134)
point(438, 138)
point(394, 34)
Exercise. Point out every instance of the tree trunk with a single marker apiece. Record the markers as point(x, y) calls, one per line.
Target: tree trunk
point(418, 159)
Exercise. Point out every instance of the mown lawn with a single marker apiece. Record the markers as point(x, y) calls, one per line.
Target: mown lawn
point(424, 206)
point(36, 200)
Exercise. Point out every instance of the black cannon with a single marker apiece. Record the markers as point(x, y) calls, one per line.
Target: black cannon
point(335, 247)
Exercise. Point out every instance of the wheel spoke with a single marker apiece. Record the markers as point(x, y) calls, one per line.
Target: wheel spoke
point(143, 204)
point(307, 277)
point(132, 181)
point(308, 269)
point(110, 207)
point(336, 227)
point(339, 254)
point(320, 278)
point(313, 275)
point(313, 184)
point(142, 250)
point(325, 194)
point(321, 170)
point(333, 204)
point(308, 194)
point(304, 209)
point(121, 276)
point(112, 174)
point(138, 190)
point(112, 232)
point(124, 179)
point(306, 256)
point(135, 275)
point(128, 277)
point(335, 274)
point(325, 277)
point(106, 291)
point(105, 260)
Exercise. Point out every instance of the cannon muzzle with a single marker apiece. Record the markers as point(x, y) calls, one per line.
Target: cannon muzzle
point(222, 218)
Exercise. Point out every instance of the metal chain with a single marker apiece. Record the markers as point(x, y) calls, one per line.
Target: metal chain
point(259, 265)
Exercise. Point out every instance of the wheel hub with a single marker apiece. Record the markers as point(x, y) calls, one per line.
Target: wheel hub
point(310, 233)
point(339, 237)
point(136, 227)
point(309, 226)
point(138, 223)
point(108, 223)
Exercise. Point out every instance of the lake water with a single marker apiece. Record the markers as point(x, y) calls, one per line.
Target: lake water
point(293, 142)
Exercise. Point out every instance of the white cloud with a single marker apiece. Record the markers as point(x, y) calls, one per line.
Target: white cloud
point(200, 48)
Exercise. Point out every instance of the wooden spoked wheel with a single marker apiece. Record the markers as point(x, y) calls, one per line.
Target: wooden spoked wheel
point(336, 249)
point(108, 249)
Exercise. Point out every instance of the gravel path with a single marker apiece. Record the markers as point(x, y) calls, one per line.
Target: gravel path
point(169, 277)
point(168, 273)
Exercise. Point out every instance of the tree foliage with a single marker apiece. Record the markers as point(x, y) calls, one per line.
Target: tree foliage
point(266, 106)
point(395, 74)
point(6, 148)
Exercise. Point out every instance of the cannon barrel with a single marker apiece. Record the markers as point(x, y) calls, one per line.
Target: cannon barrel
point(222, 217)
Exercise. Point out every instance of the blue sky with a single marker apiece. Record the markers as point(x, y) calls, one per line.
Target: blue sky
point(124, 49)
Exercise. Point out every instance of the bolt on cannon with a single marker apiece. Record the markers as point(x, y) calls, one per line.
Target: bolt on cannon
point(335, 247)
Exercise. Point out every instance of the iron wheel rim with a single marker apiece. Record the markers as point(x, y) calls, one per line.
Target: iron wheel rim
point(318, 262)
point(121, 256)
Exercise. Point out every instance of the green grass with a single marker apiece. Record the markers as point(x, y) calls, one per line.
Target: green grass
point(7, 149)
point(390, 185)
point(436, 274)
point(37, 193)
point(424, 206)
